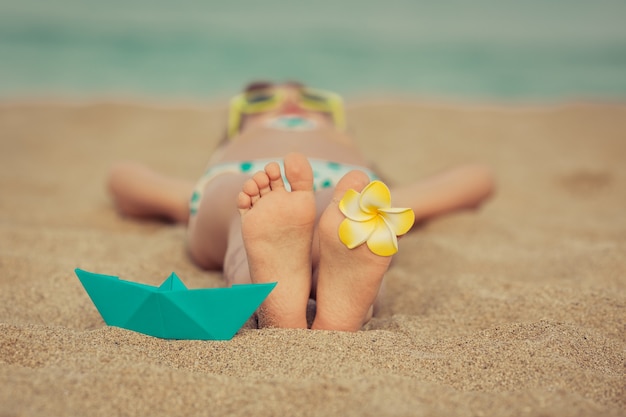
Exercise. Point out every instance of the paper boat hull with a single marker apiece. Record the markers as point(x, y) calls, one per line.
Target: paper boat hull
point(172, 311)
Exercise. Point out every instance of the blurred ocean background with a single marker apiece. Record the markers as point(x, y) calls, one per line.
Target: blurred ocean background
point(531, 50)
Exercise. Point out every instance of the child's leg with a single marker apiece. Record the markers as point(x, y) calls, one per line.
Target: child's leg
point(348, 280)
point(459, 188)
point(277, 229)
point(214, 233)
point(141, 192)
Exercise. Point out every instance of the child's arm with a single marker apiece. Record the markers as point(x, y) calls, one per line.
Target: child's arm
point(460, 188)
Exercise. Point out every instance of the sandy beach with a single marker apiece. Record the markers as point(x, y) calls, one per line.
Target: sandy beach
point(518, 308)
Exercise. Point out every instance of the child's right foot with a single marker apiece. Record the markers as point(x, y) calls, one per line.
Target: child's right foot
point(277, 228)
point(349, 279)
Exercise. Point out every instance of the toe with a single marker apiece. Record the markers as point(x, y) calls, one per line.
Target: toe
point(244, 202)
point(275, 178)
point(298, 172)
point(353, 180)
point(263, 182)
point(251, 189)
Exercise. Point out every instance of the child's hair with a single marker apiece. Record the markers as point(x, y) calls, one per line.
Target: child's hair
point(260, 84)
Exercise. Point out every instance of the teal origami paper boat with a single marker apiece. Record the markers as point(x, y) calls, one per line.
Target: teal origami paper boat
point(172, 311)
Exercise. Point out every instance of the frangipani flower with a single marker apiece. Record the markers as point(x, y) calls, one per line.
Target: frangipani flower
point(370, 218)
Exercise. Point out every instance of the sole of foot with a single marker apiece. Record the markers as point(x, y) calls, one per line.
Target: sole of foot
point(348, 280)
point(277, 229)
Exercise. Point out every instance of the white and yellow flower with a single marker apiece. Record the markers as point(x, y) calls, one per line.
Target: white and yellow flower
point(371, 219)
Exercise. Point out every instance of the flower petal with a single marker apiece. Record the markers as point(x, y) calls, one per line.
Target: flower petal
point(375, 196)
point(399, 220)
point(353, 234)
point(382, 242)
point(349, 206)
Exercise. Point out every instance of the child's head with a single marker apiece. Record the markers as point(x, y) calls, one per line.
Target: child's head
point(261, 102)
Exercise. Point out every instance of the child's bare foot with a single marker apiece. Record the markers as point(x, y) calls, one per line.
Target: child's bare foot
point(349, 279)
point(277, 228)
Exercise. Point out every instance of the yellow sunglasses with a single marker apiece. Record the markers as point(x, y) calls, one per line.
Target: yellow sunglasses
point(267, 99)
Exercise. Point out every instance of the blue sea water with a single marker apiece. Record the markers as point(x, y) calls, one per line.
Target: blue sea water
point(484, 49)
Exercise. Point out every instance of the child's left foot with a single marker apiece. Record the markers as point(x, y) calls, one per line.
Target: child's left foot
point(349, 279)
point(277, 228)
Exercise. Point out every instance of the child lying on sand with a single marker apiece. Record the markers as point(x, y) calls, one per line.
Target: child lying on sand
point(267, 207)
